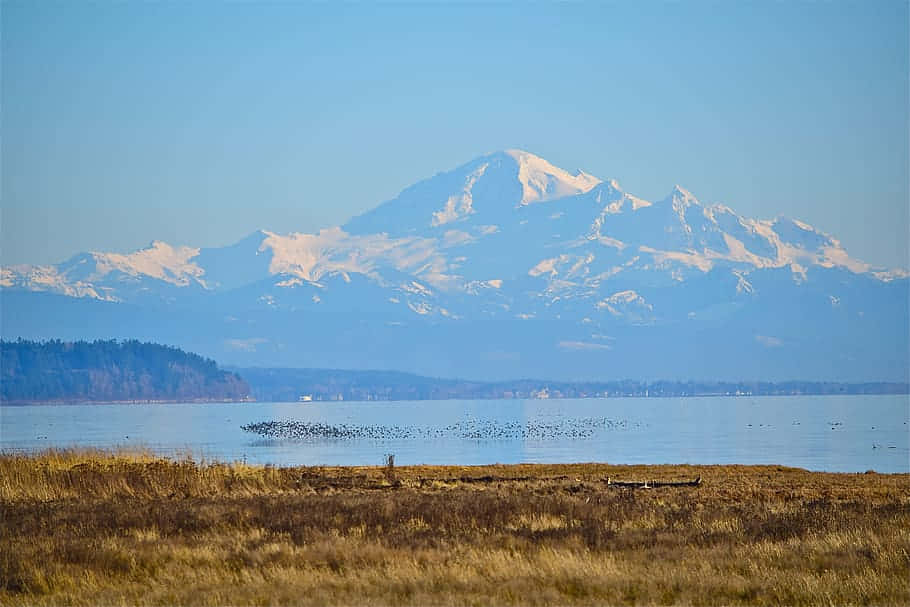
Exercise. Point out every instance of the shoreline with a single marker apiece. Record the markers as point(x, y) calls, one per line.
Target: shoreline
point(505, 472)
point(253, 401)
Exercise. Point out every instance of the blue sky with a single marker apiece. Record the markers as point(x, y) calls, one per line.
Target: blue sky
point(197, 123)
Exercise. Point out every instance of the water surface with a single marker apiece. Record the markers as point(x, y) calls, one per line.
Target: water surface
point(832, 433)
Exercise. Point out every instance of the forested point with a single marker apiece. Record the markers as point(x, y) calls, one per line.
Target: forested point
point(101, 371)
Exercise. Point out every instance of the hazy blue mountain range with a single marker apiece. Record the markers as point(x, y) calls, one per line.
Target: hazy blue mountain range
point(506, 266)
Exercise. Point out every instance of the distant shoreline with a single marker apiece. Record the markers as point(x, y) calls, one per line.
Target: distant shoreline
point(252, 401)
point(313, 384)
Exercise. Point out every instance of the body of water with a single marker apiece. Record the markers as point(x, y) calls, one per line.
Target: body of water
point(832, 433)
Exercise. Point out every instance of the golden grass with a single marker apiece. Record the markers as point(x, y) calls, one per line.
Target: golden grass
point(90, 528)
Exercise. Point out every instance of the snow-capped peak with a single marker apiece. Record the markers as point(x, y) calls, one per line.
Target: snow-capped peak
point(159, 260)
point(542, 181)
point(680, 195)
point(680, 200)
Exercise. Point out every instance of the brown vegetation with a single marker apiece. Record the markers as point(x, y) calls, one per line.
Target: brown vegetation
point(98, 528)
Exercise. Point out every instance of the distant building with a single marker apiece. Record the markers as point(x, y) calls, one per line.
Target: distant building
point(305, 398)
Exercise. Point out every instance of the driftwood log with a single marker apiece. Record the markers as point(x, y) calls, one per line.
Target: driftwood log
point(652, 484)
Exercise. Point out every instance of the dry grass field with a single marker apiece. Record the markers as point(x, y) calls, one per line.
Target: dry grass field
point(97, 528)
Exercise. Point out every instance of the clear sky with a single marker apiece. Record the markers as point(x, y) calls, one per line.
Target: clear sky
point(197, 123)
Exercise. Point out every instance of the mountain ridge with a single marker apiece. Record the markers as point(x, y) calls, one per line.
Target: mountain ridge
point(178, 265)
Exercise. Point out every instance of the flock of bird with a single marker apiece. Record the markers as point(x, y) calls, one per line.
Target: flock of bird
point(469, 429)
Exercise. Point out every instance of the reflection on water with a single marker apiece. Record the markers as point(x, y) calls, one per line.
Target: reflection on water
point(835, 433)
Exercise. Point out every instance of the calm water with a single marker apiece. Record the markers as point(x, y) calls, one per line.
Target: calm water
point(834, 433)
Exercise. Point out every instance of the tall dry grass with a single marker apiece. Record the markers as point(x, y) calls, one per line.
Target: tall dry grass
point(83, 528)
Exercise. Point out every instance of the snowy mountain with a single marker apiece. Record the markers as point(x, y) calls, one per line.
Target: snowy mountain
point(506, 265)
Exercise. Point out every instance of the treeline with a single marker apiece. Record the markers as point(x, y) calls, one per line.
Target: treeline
point(279, 385)
point(101, 371)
